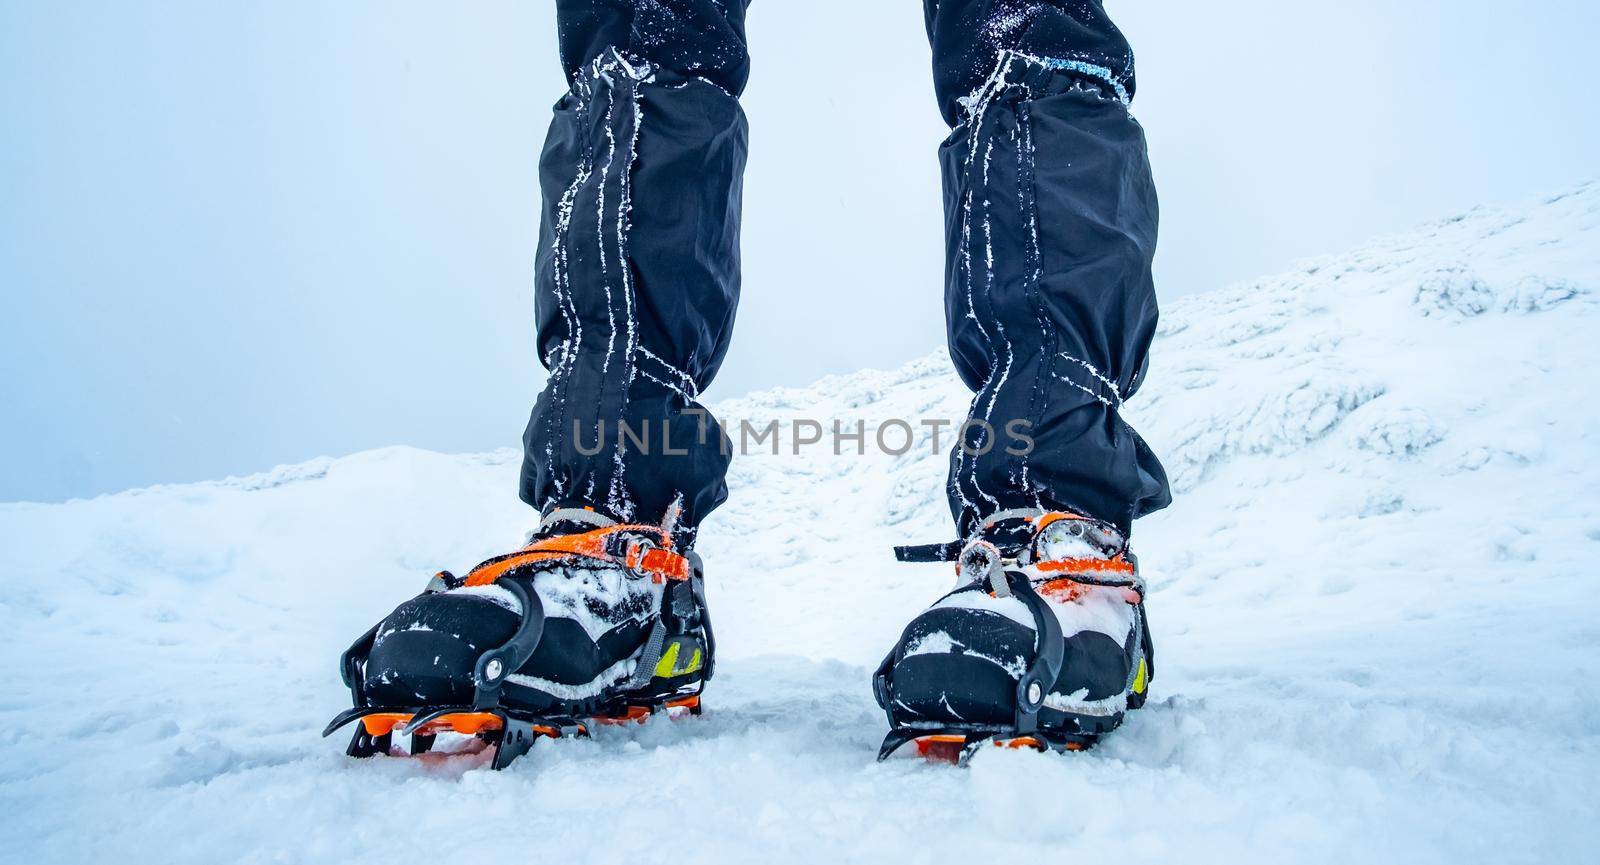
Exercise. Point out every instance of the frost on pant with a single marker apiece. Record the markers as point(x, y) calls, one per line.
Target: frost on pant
point(1050, 232)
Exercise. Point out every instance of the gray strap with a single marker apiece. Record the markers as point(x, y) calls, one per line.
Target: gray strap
point(1012, 514)
point(651, 656)
point(578, 515)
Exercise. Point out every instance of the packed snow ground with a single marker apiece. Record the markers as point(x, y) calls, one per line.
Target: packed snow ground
point(1374, 604)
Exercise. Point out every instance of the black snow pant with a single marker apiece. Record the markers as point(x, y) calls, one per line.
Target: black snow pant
point(1050, 216)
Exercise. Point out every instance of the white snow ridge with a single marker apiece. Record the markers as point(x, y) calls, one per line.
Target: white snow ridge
point(1375, 607)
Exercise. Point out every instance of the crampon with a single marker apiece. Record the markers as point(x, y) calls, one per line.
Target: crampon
point(510, 732)
point(592, 622)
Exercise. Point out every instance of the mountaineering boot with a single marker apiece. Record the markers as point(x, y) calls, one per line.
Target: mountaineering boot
point(1043, 643)
point(592, 620)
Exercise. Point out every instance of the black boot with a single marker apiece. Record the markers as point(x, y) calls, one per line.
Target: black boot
point(591, 620)
point(1043, 643)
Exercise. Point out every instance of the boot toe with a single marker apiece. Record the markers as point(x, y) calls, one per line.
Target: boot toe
point(960, 666)
point(425, 651)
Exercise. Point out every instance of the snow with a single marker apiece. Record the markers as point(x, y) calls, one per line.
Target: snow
point(1373, 602)
point(939, 642)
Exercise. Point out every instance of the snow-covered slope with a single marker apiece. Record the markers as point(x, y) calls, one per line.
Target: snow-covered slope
point(1374, 604)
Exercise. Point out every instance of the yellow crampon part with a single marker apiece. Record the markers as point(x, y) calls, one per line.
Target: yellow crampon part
point(1141, 678)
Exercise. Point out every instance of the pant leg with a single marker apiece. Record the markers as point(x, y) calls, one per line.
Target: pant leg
point(969, 37)
point(704, 38)
point(1050, 216)
point(637, 274)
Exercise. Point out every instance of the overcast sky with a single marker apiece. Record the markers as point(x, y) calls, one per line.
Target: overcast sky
point(236, 234)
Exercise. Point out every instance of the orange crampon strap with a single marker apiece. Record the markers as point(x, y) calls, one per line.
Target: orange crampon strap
point(1117, 567)
point(1069, 578)
point(1042, 520)
point(1067, 589)
point(601, 545)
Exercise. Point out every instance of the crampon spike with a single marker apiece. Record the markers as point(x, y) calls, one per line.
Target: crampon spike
point(957, 746)
point(941, 749)
point(629, 715)
point(638, 714)
point(690, 703)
